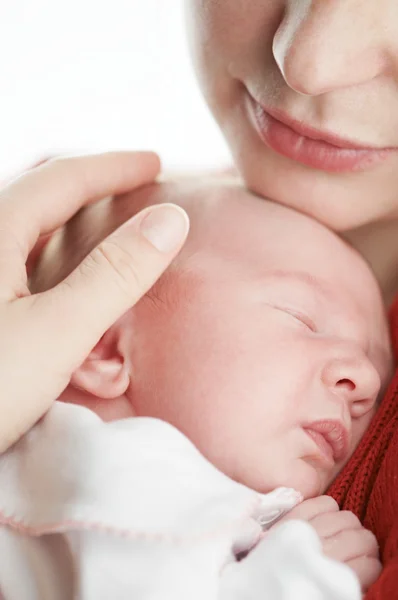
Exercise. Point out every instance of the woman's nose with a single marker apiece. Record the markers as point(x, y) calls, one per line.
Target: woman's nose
point(349, 374)
point(325, 45)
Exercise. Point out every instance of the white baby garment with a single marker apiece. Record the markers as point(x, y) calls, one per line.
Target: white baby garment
point(131, 510)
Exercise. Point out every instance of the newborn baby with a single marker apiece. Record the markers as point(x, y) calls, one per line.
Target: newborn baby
point(265, 344)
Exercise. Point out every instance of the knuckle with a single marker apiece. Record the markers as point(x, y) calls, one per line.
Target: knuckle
point(329, 503)
point(370, 538)
point(126, 272)
point(375, 567)
point(64, 286)
point(59, 163)
point(366, 539)
point(71, 169)
point(350, 519)
point(367, 570)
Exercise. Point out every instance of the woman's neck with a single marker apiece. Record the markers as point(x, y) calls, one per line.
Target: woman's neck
point(378, 243)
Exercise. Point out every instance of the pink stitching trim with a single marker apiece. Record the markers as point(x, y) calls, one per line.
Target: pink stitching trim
point(64, 526)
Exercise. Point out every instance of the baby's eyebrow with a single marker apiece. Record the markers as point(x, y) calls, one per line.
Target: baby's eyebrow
point(315, 284)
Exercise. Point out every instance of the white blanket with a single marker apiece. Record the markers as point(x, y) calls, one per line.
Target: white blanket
point(131, 510)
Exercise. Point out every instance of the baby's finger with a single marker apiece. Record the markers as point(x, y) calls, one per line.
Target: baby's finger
point(309, 509)
point(367, 569)
point(327, 525)
point(349, 544)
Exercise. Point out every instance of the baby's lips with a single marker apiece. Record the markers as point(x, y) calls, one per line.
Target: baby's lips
point(274, 505)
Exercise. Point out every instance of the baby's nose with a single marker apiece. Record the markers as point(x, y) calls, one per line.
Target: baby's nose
point(350, 374)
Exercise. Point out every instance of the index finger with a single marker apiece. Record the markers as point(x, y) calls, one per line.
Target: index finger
point(43, 199)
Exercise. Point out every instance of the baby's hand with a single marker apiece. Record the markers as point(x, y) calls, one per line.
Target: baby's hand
point(342, 535)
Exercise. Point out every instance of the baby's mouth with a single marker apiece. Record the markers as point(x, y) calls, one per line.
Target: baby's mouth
point(332, 439)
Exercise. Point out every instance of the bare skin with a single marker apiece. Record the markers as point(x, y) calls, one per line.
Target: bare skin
point(149, 334)
point(220, 259)
point(342, 535)
point(331, 66)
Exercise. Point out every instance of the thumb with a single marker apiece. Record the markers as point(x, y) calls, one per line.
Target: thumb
point(110, 280)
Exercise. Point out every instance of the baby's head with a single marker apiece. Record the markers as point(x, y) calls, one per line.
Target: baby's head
point(265, 342)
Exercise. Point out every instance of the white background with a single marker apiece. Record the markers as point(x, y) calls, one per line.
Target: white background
point(88, 75)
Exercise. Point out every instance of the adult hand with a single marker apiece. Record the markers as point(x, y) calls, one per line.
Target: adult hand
point(45, 337)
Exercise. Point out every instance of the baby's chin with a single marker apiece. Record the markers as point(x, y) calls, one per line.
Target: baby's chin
point(308, 479)
point(302, 476)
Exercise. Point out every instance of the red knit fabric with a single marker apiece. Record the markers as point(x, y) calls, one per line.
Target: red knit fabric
point(368, 485)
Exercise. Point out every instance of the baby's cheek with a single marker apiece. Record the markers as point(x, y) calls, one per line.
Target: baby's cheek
point(107, 410)
point(359, 428)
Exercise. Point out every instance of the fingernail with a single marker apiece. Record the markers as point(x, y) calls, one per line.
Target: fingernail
point(165, 227)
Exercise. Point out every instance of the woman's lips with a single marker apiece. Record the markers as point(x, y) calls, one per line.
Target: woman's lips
point(309, 147)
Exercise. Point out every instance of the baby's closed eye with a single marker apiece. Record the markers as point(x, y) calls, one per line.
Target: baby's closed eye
point(298, 316)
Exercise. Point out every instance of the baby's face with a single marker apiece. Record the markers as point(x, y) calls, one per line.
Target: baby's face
point(266, 344)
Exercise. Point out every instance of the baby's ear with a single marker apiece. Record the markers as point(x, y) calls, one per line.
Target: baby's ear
point(104, 373)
